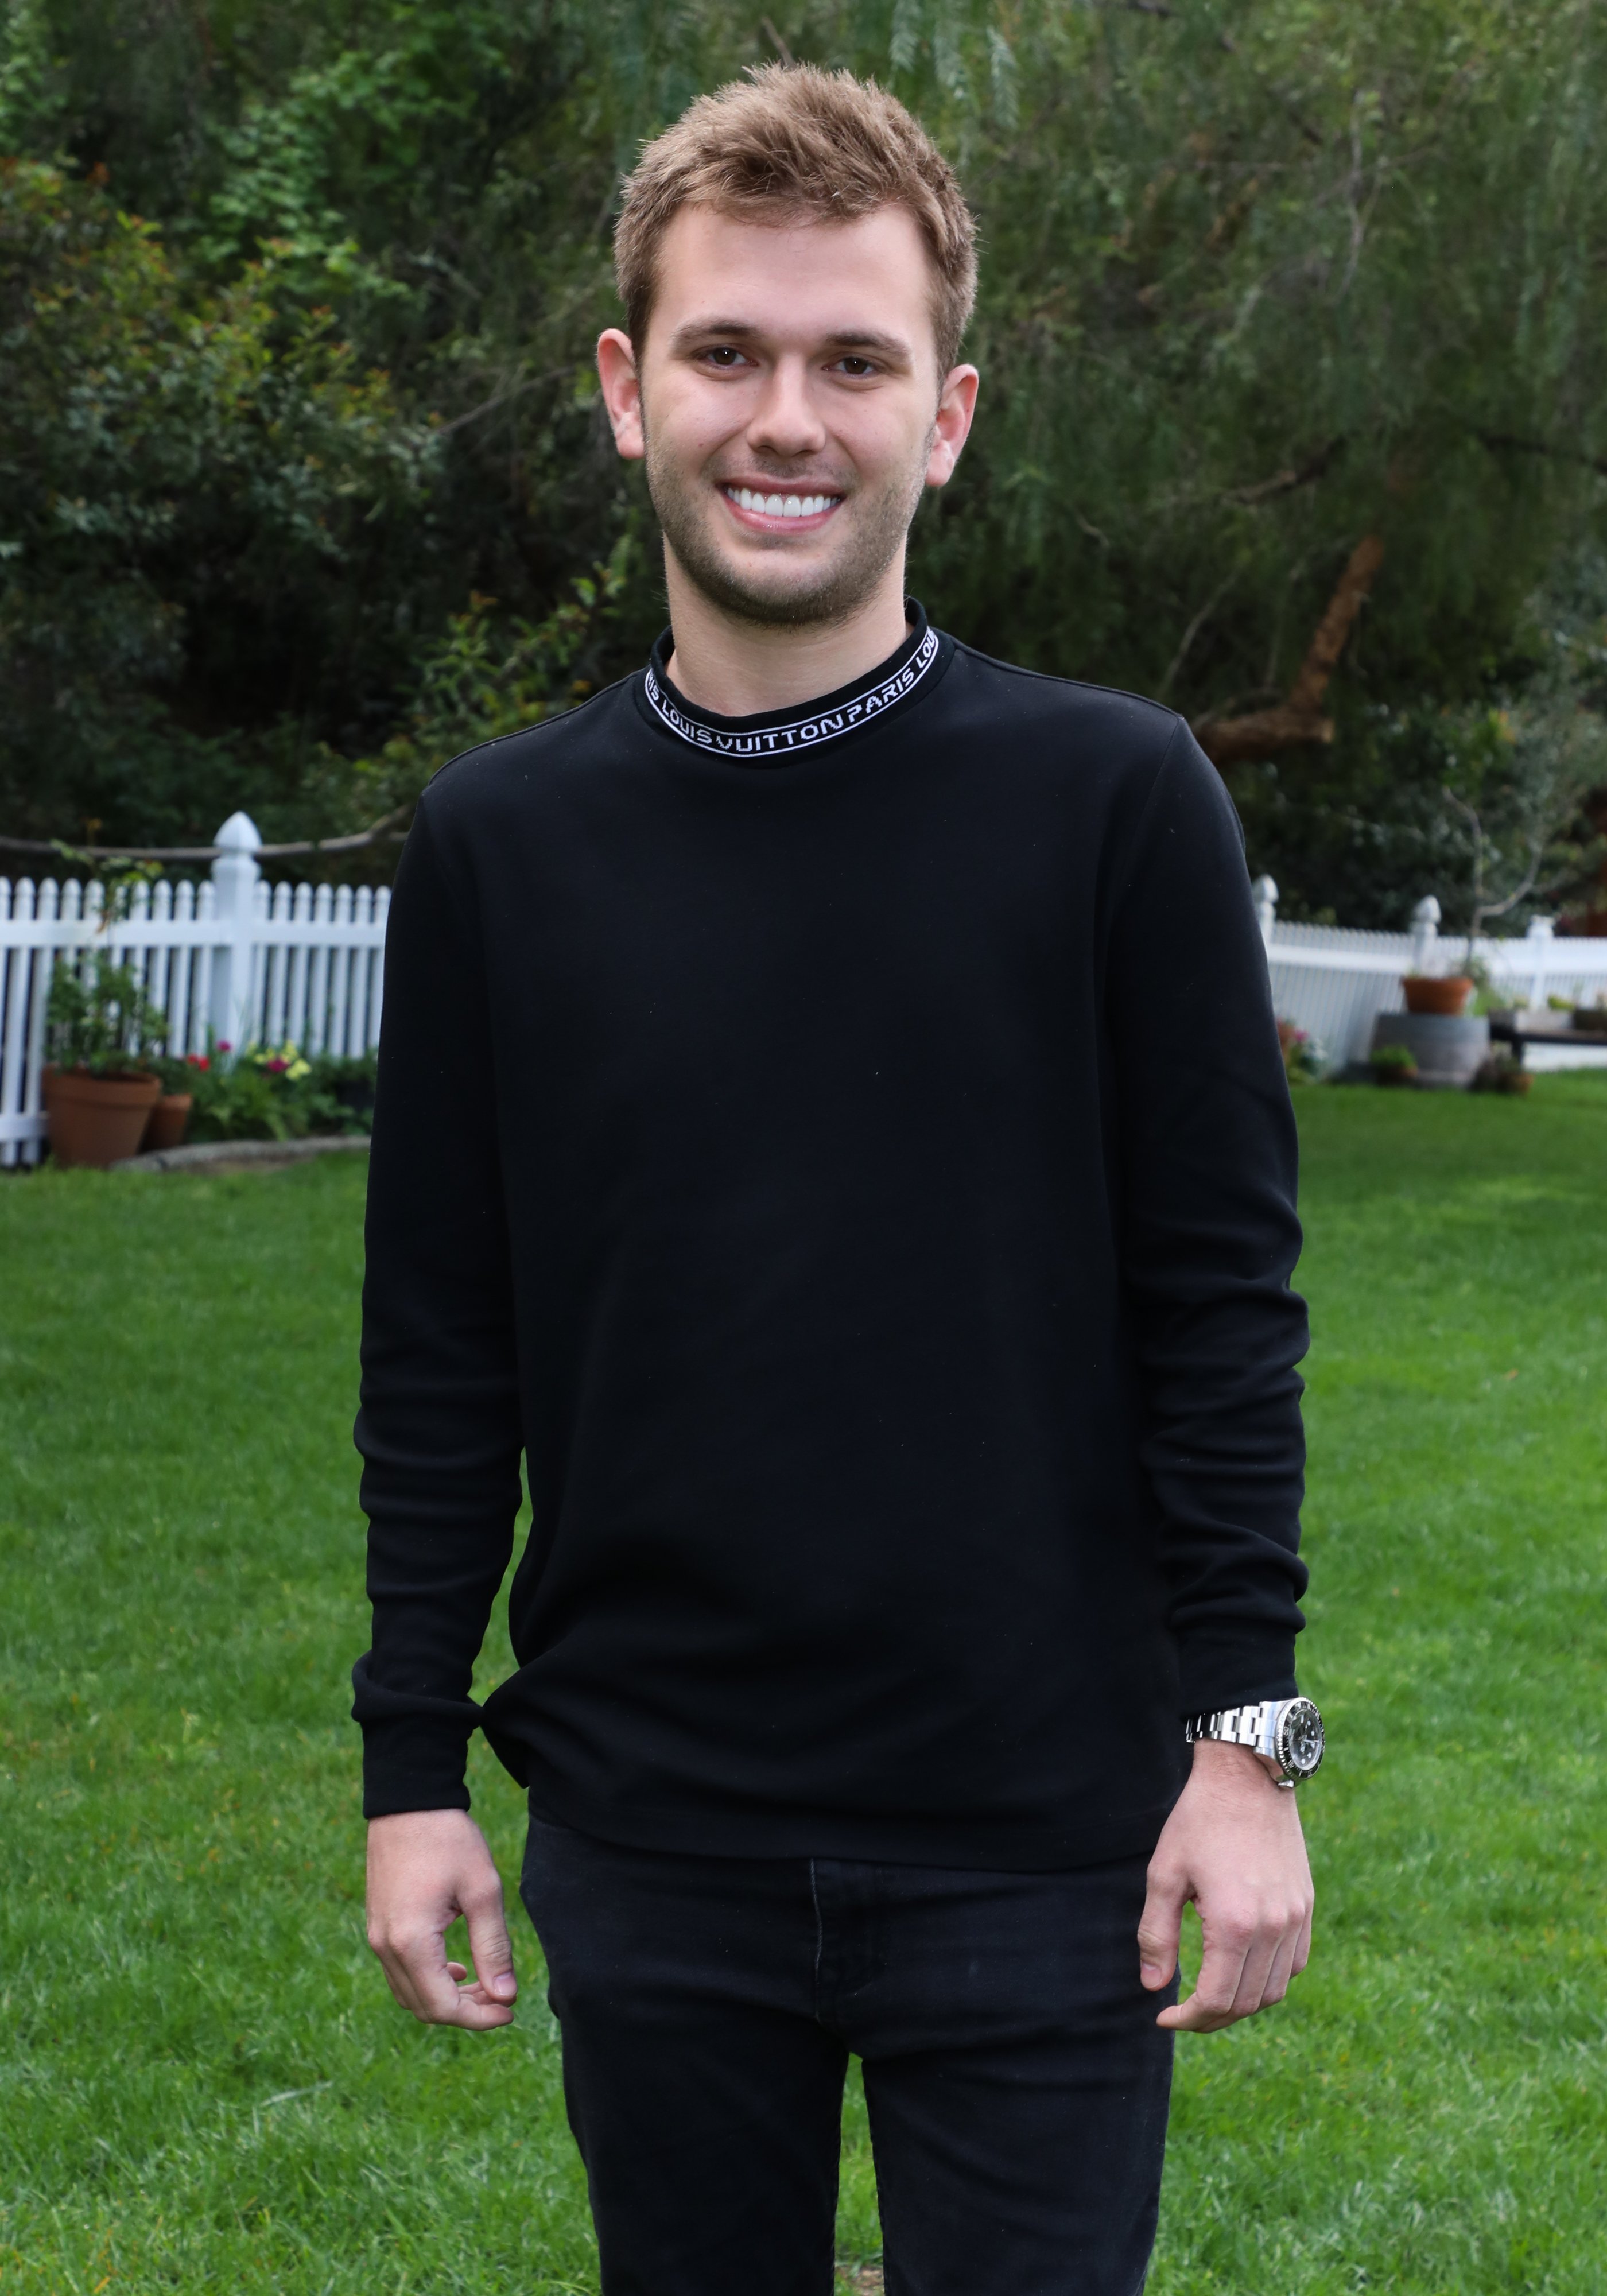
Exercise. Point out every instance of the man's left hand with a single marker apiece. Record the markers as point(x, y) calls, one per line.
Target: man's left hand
point(1233, 1845)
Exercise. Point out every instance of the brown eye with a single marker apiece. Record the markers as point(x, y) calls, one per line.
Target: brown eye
point(856, 366)
point(724, 356)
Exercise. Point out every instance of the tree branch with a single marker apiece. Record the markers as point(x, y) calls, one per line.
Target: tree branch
point(1285, 482)
point(1263, 732)
point(59, 847)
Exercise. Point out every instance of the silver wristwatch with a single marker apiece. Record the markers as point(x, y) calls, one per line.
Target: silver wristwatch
point(1290, 1730)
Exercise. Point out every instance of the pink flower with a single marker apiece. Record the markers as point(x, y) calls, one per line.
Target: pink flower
point(197, 1061)
point(275, 1068)
point(224, 1045)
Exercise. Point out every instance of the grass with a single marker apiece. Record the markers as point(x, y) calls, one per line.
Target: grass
point(203, 2084)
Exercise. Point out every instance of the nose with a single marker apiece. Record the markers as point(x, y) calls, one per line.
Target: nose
point(785, 423)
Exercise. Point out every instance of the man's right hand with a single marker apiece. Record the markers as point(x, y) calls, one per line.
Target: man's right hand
point(425, 1867)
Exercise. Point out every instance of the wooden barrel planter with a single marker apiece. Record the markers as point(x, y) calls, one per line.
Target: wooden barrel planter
point(1448, 1048)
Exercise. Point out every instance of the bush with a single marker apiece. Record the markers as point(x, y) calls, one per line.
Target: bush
point(104, 1024)
point(265, 1092)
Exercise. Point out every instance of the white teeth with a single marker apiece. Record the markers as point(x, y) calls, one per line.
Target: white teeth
point(782, 505)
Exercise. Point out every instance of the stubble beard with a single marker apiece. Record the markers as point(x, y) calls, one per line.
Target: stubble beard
point(833, 594)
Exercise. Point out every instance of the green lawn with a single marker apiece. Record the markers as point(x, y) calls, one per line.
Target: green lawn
point(203, 2084)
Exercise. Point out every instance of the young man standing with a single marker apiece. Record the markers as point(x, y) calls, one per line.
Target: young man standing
point(830, 1121)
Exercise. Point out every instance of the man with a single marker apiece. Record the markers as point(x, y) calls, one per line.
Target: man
point(830, 1119)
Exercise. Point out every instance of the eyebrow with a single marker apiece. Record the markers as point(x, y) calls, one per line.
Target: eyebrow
point(847, 339)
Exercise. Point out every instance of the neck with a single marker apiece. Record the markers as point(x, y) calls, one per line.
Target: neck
point(735, 668)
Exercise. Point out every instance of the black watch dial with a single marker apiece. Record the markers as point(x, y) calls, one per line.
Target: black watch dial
point(1299, 1742)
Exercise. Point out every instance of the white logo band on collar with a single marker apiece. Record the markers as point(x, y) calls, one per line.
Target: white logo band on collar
point(802, 732)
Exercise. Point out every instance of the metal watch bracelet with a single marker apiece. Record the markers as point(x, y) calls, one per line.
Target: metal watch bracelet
point(1287, 1731)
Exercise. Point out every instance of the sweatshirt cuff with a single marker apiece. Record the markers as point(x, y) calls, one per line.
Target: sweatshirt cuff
point(416, 1745)
point(1219, 1669)
point(409, 1763)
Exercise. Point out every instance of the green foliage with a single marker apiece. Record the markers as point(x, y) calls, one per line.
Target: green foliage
point(490, 677)
point(1255, 283)
point(1478, 801)
point(101, 1018)
point(1305, 1062)
point(186, 477)
point(181, 1849)
point(267, 1091)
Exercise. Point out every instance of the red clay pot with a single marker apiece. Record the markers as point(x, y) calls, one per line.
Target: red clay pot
point(1431, 992)
point(165, 1127)
point(96, 1120)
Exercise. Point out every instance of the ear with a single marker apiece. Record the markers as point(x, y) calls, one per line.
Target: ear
point(621, 391)
point(956, 406)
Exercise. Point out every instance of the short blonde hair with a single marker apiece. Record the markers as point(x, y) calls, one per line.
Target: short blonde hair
point(792, 143)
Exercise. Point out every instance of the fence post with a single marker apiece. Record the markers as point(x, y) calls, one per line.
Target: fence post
point(1426, 933)
point(1539, 939)
point(1265, 895)
point(235, 875)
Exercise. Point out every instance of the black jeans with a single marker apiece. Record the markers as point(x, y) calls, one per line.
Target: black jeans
point(1016, 2081)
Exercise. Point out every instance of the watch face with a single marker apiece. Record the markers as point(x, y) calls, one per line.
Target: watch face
point(1299, 1746)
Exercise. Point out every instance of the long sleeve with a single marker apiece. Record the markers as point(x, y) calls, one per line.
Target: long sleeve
point(1209, 1236)
point(438, 1427)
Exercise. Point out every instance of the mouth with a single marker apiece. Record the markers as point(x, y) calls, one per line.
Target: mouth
point(778, 510)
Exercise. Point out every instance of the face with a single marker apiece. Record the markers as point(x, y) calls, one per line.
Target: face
point(788, 407)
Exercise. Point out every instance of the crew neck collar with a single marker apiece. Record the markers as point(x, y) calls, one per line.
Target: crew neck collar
point(776, 736)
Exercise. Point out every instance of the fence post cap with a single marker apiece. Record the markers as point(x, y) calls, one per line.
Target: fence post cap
point(1540, 929)
point(239, 834)
point(1427, 912)
point(1265, 889)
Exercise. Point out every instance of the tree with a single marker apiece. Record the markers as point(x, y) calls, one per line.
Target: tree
point(1260, 288)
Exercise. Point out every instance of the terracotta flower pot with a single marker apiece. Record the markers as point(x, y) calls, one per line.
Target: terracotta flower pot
point(96, 1120)
point(1388, 1073)
point(165, 1127)
point(1429, 992)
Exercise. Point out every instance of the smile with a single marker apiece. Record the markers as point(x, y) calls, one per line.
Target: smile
point(773, 509)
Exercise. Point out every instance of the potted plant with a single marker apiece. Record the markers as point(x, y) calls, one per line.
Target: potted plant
point(100, 1084)
point(1394, 1064)
point(170, 1120)
point(1445, 992)
point(1502, 1073)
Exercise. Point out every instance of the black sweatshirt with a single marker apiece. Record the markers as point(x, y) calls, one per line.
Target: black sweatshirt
point(847, 1152)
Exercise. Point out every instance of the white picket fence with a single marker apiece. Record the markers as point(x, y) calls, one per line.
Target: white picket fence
point(251, 962)
point(259, 965)
point(1334, 982)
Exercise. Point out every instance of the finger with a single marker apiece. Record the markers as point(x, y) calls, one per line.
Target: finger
point(423, 1982)
point(1282, 1968)
point(1302, 1951)
point(489, 1943)
point(456, 1971)
point(396, 1974)
point(1209, 2006)
point(1255, 1976)
point(1159, 1926)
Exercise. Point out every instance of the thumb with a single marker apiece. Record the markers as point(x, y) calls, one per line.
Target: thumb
point(488, 1945)
point(1159, 1926)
